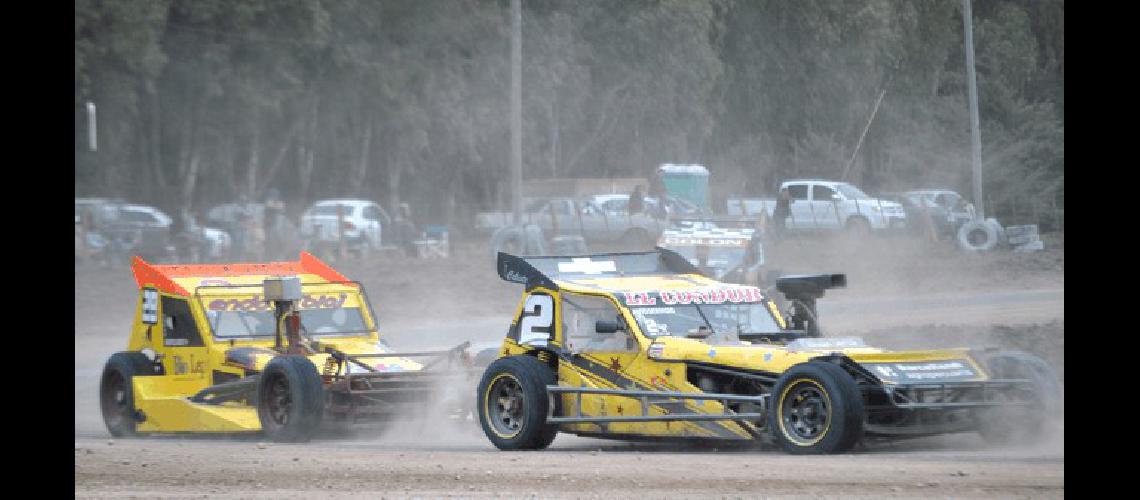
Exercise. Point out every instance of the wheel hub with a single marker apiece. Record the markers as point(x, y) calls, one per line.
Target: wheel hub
point(805, 414)
point(507, 410)
point(279, 401)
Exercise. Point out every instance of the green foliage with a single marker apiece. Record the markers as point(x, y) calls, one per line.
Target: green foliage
point(205, 101)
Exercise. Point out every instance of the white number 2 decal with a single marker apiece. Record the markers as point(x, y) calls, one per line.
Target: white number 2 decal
point(537, 320)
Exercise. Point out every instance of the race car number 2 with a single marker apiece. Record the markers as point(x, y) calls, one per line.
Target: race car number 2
point(537, 320)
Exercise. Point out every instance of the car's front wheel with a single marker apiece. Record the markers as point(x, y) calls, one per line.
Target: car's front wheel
point(816, 408)
point(290, 399)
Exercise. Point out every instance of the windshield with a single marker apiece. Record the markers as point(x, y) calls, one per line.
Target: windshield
point(712, 257)
point(314, 322)
point(346, 210)
point(324, 309)
point(852, 192)
point(714, 323)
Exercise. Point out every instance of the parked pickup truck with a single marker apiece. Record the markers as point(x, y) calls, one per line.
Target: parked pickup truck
point(570, 216)
point(822, 205)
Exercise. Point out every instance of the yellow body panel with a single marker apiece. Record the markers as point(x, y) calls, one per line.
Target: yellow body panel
point(166, 408)
point(164, 400)
point(635, 370)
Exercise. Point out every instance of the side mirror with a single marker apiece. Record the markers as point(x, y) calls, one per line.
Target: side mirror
point(605, 326)
point(836, 197)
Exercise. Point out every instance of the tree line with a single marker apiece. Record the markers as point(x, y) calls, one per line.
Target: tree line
point(406, 101)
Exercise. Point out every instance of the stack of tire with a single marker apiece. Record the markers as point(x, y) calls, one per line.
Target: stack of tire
point(980, 235)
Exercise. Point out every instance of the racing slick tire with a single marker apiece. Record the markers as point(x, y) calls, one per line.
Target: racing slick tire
point(116, 393)
point(1025, 424)
point(290, 399)
point(513, 403)
point(816, 408)
point(977, 236)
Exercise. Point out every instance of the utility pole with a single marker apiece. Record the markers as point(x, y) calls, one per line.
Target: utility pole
point(92, 139)
point(975, 133)
point(516, 110)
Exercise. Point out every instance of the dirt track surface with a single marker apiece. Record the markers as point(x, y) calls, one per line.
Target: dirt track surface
point(571, 468)
point(894, 299)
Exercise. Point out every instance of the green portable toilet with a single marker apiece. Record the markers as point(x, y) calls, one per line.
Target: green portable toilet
point(688, 182)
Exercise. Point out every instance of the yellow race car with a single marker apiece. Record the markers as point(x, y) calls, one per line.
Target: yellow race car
point(278, 347)
point(642, 345)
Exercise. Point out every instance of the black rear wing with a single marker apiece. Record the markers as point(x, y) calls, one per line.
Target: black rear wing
point(543, 270)
point(805, 289)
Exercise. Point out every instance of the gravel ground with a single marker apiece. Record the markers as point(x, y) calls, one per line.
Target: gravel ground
point(901, 294)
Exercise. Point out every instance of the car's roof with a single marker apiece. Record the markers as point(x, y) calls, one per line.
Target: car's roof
point(610, 196)
point(613, 273)
point(622, 284)
point(345, 201)
point(932, 191)
point(85, 201)
point(819, 181)
point(185, 279)
point(711, 234)
point(140, 208)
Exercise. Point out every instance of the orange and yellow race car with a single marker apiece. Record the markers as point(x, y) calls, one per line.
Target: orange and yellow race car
point(643, 346)
point(273, 347)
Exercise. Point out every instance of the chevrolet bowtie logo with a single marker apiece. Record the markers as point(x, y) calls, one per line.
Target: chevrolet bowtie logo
point(585, 265)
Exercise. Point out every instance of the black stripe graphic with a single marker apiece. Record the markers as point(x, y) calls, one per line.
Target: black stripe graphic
point(719, 429)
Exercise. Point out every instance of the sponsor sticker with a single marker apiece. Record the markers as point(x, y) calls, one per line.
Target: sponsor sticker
point(656, 350)
point(929, 371)
point(585, 265)
point(256, 303)
point(696, 295)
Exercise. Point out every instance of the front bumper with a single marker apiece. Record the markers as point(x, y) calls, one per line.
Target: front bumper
point(953, 395)
point(910, 410)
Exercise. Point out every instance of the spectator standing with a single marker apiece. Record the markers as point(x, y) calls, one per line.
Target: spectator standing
point(406, 230)
point(781, 213)
point(275, 244)
point(636, 201)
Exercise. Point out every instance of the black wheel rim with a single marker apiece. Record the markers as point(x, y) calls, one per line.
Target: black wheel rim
point(116, 407)
point(505, 406)
point(278, 402)
point(805, 413)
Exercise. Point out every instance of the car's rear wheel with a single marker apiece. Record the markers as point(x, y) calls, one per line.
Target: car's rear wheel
point(513, 403)
point(116, 392)
point(816, 408)
point(290, 399)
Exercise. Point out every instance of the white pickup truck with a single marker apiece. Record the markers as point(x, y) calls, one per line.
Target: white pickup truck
point(562, 216)
point(822, 205)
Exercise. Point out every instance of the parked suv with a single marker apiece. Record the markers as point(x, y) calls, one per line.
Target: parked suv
point(363, 223)
point(947, 209)
point(821, 205)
